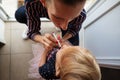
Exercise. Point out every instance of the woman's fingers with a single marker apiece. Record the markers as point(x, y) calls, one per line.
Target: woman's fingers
point(49, 41)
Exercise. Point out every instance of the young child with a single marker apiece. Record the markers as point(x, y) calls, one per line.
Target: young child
point(69, 63)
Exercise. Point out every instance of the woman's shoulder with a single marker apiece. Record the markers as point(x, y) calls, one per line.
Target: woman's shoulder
point(31, 0)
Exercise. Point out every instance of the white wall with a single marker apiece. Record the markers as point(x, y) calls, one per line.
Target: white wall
point(101, 32)
point(9, 6)
point(2, 28)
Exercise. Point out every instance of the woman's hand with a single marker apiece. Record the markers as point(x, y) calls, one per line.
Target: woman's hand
point(48, 41)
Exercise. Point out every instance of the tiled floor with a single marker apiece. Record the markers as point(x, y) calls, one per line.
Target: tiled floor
point(16, 53)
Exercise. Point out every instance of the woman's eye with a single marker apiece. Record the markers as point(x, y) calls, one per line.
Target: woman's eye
point(57, 19)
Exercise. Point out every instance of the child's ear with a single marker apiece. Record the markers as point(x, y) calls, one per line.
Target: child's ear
point(43, 2)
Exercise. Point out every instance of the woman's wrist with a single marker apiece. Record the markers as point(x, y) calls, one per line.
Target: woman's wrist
point(67, 36)
point(38, 38)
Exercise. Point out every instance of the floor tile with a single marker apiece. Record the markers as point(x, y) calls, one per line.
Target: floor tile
point(18, 45)
point(17, 25)
point(19, 66)
point(4, 67)
point(6, 48)
point(7, 25)
point(48, 27)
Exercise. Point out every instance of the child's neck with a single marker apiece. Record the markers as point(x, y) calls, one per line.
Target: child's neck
point(57, 64)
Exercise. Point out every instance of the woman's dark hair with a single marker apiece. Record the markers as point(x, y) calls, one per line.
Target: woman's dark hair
point(72, 2)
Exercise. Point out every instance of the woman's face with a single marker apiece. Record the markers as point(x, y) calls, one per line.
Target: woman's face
point(61, 14)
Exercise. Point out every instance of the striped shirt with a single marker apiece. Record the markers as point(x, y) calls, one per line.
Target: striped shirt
point(35, 10)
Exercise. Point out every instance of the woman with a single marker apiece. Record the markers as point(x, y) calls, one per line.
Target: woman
point(69, 63)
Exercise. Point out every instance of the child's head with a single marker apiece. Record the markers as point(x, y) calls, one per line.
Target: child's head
point(78, 64)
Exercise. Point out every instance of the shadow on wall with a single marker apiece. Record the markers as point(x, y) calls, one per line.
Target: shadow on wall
point(110, 74)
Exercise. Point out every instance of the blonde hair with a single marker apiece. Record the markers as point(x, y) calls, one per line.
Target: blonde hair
point(79, 64)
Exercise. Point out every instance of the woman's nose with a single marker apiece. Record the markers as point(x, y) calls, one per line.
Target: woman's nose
point(64, 25)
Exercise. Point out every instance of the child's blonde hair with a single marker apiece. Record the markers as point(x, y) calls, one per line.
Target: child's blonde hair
point(79, 64)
